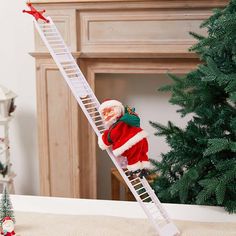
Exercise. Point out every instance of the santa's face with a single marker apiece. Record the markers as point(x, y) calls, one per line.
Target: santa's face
point(8, 226)
point(110, 114)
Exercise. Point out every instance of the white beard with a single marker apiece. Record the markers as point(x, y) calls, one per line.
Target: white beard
point(118, 113)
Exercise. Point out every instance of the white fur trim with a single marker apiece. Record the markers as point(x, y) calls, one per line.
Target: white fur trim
point(111, 103)
point(134, 167)
point(101, 144)
point(131, 142)
point(146, 165)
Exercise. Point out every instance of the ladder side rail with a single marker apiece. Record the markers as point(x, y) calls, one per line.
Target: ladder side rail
point(76, 67)
point(82, 78)
point(91, 96)
point(132, 189)
point(66, 78)
point(155, 199)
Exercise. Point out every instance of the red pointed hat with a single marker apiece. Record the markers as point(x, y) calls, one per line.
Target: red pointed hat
point(111, 103)
point(6, 218)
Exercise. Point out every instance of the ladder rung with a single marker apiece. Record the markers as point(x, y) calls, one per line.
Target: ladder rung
point(46, 31)
point(52, 37)
point(71, 73)
point(67, 62)
point(137, 184)
point(89, 103)
point(45, 25)
point(96, 116)
point(86, 99)
point(98, 126)
point(143, 194)
point(59, 46)
point(93, 112)
point(69, 66)
point(98, 121)
point(57, 40)
point(76, 81)
point(139, 189)
point(77, 78)
point(62, 53)
point(146, 198)
point(78, 90)
point(48, 28)
point(91, 108)
point(59, 50)
point(134, 180)
point(50, 33)
point(70, 69)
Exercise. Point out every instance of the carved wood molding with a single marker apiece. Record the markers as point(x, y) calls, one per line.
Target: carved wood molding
point(48, 55)
point(138, 66)
point(157, 3)
point(77, 55)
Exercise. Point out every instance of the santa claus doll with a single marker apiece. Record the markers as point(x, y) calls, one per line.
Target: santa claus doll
point(7, 226)
point(124, 136)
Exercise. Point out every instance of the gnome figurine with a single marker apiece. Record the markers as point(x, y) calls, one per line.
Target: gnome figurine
point(7, 227)
point(124, 136)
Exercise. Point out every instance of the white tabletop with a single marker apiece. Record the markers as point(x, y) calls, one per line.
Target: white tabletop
point(72, 206)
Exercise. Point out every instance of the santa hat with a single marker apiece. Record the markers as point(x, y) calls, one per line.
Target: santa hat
point(6, 218)
point(111, 103)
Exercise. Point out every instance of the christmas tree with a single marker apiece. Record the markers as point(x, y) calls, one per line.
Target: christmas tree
point(6, 208)
point(200, 167)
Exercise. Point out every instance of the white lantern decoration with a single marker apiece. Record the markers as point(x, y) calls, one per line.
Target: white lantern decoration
point(6, 102)
point(7, 106)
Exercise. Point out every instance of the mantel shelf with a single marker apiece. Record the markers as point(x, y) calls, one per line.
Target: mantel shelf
point(136, 55)
point(47, 54)
point(159, 3)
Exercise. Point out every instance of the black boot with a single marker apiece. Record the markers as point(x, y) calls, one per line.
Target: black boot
point(134, 174)
point(144, 173)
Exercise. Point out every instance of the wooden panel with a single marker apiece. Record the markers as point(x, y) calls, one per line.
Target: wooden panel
point(59, 146)
point(58, 128)
point(66, 23)
point(142, 31)
point(159, 3)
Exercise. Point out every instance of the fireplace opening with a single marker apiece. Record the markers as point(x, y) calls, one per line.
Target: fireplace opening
point(139, 91)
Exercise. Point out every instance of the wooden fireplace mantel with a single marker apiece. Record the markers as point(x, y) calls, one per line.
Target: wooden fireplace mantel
point(115, 36)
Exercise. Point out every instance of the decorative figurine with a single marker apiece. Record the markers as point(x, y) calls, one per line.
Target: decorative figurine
point(125, 136)
point(7, 107)
point(36, 14)
point(8, 227)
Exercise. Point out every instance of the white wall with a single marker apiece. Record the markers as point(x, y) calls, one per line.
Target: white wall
point(17, 74)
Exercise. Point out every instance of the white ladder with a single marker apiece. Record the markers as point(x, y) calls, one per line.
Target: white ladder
point(89, 104)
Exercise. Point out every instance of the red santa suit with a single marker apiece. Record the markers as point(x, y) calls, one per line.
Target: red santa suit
point(8, 233)
point(127, 140)
point(8, 227)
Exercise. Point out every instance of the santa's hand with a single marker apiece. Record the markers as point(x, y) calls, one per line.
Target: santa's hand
point(101, 144)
